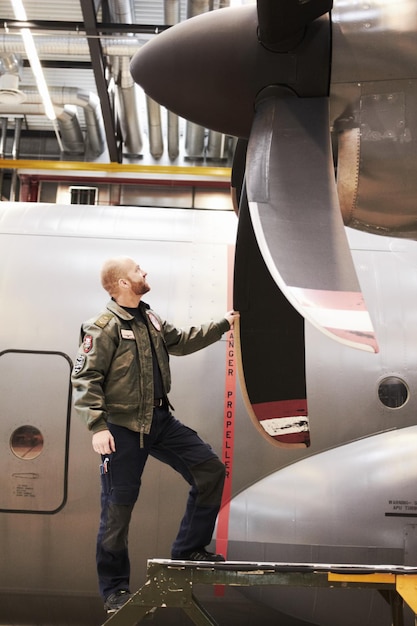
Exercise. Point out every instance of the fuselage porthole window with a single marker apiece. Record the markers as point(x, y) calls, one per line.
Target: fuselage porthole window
point(26, 442)
point(393, 392)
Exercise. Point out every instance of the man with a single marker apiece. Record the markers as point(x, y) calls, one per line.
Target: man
point(121, 379)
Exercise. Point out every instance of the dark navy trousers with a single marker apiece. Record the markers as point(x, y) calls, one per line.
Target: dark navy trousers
point(180, 447)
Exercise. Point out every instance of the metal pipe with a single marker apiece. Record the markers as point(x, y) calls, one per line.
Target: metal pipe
point(156, 142)
point(62, 96)
point(173, 135)
point(121, 11)
point(51, 47)
point(172, 12)
point(13, 186)
point(197, 7)
point(130, 125)
point(194, 141)
point(3, 137)
point(216, 145)
point(72, 136)
point(16, 140)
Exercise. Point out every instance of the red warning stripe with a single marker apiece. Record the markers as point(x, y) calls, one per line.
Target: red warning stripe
point(286, 421)
point(280, 408)
point(222, 535)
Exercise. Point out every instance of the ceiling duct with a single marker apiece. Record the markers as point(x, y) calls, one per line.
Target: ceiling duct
point(49, 47)
point(194, 141)
point(129, 109)
point(90, 104)
point(173, 135)
point(120, 49)
point(172, 15)
point(197, 7)
point(172, 12)
point(16, 138)
point(3, 137)
point(15, 152)
point(195, 134)
point(216, 145)
point(156, 142)
point(69, 126)
point(71, 133)
point(121, 12)
point(62, 96)
point(10, 65)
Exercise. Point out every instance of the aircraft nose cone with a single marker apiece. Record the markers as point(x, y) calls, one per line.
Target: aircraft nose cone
point(209, 69)
point(204, 69)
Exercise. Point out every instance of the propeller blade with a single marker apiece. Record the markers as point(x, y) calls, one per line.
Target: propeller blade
point(296, 216)
point(269, 346)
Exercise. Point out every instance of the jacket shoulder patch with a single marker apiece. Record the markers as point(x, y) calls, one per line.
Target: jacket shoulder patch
point(103, 320)
point(79, 363)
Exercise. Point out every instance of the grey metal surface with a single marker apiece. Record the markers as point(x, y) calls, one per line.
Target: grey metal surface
point(373, 40)
point(55, 254)
point(373, 97)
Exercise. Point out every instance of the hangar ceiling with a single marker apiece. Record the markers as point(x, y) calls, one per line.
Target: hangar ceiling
point(84, 47)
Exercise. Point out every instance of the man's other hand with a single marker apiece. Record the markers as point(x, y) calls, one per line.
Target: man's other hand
point(103, 442)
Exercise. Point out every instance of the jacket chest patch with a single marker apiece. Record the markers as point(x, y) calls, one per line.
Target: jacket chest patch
point(154, 320)
point(127, 334)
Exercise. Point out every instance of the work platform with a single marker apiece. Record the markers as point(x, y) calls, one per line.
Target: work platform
point(170, 583)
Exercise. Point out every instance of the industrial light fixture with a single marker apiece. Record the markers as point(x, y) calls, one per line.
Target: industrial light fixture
point(32, 54)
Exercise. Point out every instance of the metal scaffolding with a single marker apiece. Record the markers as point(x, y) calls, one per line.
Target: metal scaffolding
point(170, 584)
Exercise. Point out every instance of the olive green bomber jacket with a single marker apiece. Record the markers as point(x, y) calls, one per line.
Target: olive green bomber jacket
point(112, 376)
